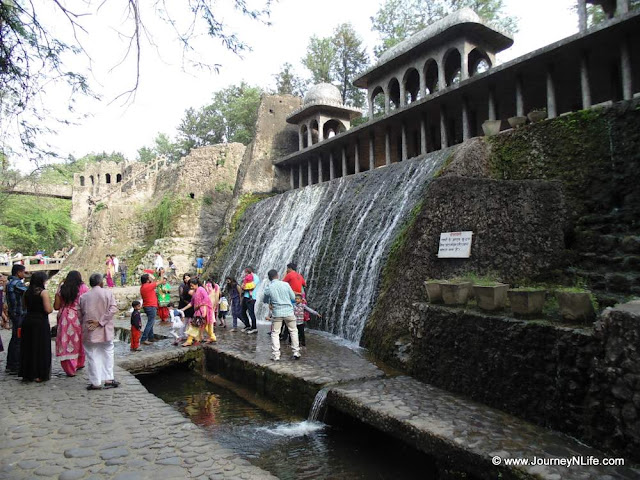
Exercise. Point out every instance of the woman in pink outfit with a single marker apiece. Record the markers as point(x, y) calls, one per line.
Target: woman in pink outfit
point(69, 338)
point(111, 271)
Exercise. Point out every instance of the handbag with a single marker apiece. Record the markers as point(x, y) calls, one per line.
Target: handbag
point(198, 321)
point(54, 331)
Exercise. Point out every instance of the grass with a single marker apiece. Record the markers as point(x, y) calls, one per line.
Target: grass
point(163, 216)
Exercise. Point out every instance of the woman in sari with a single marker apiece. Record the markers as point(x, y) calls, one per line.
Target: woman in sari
point(69, 338)
point(163, 292)
point(111, 271)
point(203, 315)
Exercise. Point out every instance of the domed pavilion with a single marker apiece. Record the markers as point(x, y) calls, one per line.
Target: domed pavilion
point(322, 115)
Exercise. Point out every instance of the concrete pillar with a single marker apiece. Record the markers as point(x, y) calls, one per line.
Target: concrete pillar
point(622, 7)
point(309, 135)
point(357, 157)
point(466, 127)
point(309, 173)
point(519, 97)
point(345, 170)
point(300, 183)
point(584, 82)
point(443, 128)
point(405, 154)
point(292, 179)
point(387, 147)
point(552, 110)
point(423, 136)
point(320, 131)
point(442, 81)
point(300, 139)
point(582, 15)
point(320, 179)
point(370, 108)
point(492, 105)
point(372, 152)
point(625, 65)
point(403, 94)
point(332, 169)
point(423, 83)
point(464, 64)
point(387, 102)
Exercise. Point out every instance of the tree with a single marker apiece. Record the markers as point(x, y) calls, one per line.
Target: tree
point(39, 39)
point(320, 57)
point(397, 20)
point(146, 155)
point(350, 58)
point(231, 117)
point(288, 83)
point(596, 14)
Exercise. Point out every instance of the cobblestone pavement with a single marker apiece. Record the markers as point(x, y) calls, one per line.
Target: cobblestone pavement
point(465, 430)
point(60, 430)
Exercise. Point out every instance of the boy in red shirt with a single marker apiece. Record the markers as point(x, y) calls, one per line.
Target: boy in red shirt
point(149, 305)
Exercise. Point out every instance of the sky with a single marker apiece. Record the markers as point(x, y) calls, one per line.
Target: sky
point(166, 89)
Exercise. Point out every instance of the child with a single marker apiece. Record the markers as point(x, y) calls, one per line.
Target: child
point(177, 323)
point(299, 309)
point(136, 326)
point(222, 313)
point(248, 283)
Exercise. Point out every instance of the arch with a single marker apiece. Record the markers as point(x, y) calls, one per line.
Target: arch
point(452, 67)
point(377, 102)
point(479, 62)
point(394, 93)
point(430, 73)
point(304, 133)
point(118, 178)
point(93, 182)
point(107, 178)
point(82, 180)
point(315, 136)
point(411, 85)
point(333, 125)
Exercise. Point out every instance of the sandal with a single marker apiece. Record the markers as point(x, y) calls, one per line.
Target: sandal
point(92, 387)
point(112, 384)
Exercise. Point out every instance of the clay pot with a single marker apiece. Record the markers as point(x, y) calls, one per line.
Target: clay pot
point(537, 115)
point(576, 307)
point(434, 292)
point(526, 302)
point(491, 127)
point(491, 297)
point(515, 122)
point(455, 293)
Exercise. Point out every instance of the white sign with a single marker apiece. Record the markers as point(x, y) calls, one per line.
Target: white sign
point(455, 245)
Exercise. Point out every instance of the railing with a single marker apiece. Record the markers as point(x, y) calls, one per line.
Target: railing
point(33, 263)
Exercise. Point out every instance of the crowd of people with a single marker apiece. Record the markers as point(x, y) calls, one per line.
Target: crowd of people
point(84, 331)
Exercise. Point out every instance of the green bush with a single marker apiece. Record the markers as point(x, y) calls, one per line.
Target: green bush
point(162, 217)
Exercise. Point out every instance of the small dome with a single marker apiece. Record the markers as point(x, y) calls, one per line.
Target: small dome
point(323, 93)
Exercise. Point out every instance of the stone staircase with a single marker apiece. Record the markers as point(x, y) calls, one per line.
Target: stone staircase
point(607, 256)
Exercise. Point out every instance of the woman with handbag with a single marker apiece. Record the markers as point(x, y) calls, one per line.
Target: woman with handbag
point(203, 314)
point(69, 331)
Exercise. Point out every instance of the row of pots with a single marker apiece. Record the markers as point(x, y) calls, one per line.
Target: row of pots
point(574, 306)
point(492, 127)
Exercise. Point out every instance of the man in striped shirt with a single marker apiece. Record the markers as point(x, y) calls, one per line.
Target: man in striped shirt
point(280, 297)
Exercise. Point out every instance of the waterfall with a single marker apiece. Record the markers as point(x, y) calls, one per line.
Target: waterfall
point(318, 405)
point(339, 233)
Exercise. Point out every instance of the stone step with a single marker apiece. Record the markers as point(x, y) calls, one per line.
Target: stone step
point(590, 241)
point(467, 434)
point(594, 261)
point(620, 282)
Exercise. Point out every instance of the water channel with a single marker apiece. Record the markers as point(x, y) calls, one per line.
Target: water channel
point(283, 444)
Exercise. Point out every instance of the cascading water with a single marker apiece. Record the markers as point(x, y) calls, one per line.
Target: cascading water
point(318, 405)
point(339, 233)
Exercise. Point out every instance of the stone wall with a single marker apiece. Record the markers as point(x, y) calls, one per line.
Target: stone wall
point(612, 407)
point(517, 234)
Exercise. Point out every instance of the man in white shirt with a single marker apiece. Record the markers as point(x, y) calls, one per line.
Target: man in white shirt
point(159, 263)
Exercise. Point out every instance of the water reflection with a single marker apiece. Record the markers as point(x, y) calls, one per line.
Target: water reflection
point(287, 446)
